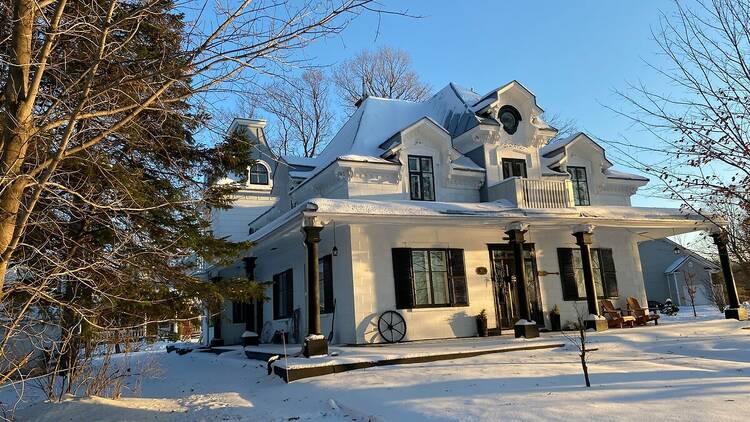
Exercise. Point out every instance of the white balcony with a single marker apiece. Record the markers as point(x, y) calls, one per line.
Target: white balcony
point(533, 193)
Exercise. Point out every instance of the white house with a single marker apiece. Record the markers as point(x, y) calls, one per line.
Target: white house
point(438, 210)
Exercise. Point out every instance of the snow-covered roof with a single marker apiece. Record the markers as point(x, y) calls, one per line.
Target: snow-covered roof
point(615, 174)
point(293, 160)
point(378, 119)
point(680, 261)
point(496, 210)
point(557, 149)
point(463, 162)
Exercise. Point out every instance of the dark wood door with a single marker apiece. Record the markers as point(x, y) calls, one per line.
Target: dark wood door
point(505, 285)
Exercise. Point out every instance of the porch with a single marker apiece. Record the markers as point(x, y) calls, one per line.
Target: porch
point(293, 366)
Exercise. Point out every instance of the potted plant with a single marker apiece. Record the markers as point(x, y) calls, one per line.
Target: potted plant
point(482, 323)
point(554, 319)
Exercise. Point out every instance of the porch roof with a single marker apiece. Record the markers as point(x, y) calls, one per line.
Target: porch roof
point(482, 213)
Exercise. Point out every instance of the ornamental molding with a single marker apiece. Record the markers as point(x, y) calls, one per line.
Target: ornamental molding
point(369, 175)
point(464, 181)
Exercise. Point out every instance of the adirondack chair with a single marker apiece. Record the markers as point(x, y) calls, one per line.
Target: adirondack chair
point(642, 315)
point(615, 318)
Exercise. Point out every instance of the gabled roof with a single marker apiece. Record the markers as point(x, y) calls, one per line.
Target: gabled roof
point(679, 262)
point(557, 149)
point(686, 255)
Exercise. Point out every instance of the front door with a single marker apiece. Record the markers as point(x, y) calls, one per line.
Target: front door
point(505, 286)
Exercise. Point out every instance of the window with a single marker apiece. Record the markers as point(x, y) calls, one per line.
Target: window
point(258, 174)
point(514, 167)
point(325, 275)
point(239, 312)
point(509, 117)
point(429, 278)
point(580, 185)
point(283, 284)
point(421, 178)
point(571, 273)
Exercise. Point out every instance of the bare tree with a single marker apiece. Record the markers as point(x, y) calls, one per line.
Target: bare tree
point(565, 127)
point(701, 123)
point(302, 110)
point(580, 341)
point(101, 178)
point(715, 293)
point(691, 285)
point(385, 73)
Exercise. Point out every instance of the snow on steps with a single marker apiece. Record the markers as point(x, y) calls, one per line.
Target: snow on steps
point(292, 369)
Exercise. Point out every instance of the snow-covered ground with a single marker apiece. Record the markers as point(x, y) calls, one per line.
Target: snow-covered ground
point(685, 369)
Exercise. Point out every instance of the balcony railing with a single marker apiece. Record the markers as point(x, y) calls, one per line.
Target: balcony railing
point(533, 193)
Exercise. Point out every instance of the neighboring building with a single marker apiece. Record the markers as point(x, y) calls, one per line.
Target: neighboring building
point(417, 203)
point(669, 269)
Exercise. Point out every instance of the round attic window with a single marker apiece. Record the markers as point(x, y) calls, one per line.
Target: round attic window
point(509, 117)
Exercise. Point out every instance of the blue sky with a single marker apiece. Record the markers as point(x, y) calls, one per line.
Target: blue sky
point(572, 55)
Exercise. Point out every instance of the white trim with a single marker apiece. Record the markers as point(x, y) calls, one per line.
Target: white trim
point(253, 186)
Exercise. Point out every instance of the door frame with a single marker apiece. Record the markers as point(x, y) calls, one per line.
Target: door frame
point(537, 314)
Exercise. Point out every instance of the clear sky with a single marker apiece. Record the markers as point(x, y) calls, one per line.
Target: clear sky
point(571, 54)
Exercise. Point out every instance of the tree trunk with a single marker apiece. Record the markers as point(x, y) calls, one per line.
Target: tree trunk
point(16, 128)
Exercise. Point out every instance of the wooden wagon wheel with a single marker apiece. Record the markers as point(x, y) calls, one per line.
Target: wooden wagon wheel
point(391, 326)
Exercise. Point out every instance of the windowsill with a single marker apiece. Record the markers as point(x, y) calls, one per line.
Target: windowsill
point(434, 308)
point(597, 298)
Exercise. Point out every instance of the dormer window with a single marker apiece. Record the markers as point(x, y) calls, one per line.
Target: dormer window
point(421, 179)
point(509, 117)
point(258, 174)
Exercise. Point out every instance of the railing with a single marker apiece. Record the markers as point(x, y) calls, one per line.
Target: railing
point(533, 193)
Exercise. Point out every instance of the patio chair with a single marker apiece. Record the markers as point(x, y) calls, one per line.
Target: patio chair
point(615, 318)
point(642, 315)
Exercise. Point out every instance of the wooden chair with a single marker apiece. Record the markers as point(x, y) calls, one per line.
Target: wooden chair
point(615, 319)
point(642, 315)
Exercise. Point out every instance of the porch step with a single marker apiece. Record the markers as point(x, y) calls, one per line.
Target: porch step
point(320, 367)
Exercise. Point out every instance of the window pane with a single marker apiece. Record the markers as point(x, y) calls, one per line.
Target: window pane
point(437, 261)
point(579, 283)
point(413, 164)
point(421, 289)
point(416, 190)
point(428, 187)
point(440, 288)
point(419, 261)
point(426, 165)
point(598, 283)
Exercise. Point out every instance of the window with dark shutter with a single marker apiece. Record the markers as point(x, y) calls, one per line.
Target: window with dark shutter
point(239, 312)
point(429, 278)
point(402, 278)
point(571, 273)
point(283, 295)
point(567, 274)
point(609, 275)
point(325, 274)
point(458, 277)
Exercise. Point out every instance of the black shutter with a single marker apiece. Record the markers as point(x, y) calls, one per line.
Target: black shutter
point(402, 278)
point(289, 279)
point(458, 277)
point(328, 284)
point(609, 275)
point(567, 274)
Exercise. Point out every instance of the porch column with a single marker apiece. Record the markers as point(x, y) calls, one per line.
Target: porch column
point(594, 318)
point(315, 343)
point(735, 311)
point(525, 326)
